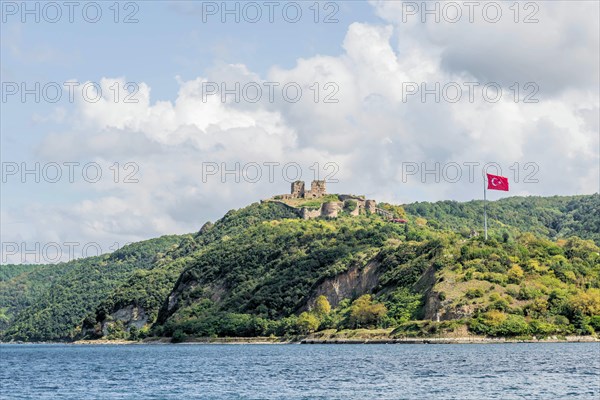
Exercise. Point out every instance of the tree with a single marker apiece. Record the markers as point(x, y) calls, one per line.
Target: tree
point(403, 304)
point(3, 315)
point(307, 323)
point(587, 303)
point(364, 313)
point(421, 221)
point(322, 306)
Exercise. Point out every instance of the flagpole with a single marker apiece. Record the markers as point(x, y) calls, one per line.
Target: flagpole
point(485, 208)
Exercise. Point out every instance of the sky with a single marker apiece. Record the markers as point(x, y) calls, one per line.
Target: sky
point(123, 121)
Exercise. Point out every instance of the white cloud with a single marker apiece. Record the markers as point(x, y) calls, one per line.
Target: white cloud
point(370, 132)
point(558, 51)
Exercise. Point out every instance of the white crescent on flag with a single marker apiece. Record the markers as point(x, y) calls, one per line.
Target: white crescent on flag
point(496, 182)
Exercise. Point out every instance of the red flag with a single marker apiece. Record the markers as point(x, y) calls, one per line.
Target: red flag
point(496, 182)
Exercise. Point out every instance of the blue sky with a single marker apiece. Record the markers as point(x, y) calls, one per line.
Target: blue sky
point(371, 134)
point(169, 40)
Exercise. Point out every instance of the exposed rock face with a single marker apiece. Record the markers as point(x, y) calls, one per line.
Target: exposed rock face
point(125, 318)
point(435, 308)
point(172, 300)
point(465, 311)
point(349, 284)
point(431, 309)
point(130, 316)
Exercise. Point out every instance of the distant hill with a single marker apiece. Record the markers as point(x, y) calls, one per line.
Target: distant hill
point(261, 270)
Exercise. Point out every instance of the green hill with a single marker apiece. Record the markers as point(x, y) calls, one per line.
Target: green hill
point(263, 271)
point(50, 302)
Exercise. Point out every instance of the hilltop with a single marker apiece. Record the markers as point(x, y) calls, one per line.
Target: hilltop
point(264, 270)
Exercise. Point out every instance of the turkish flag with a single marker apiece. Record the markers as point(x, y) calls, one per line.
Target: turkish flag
point(496, 182)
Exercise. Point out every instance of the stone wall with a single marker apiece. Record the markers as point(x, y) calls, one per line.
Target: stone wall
point(307, 213)
point(331, 209)
point(371, 206)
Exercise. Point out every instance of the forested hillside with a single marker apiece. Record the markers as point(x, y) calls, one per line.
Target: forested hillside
point(262, 271)
point(553, 217)
point(50, 302)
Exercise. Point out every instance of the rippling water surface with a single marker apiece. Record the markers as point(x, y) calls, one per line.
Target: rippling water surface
point(489, 371)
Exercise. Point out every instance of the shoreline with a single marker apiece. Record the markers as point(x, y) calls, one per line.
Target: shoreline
point(451, 340)
point(313, 341)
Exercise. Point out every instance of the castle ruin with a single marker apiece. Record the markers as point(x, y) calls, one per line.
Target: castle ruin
point(354, 205)
point(317, 189)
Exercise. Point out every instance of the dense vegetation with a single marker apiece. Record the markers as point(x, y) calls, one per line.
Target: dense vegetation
point(521, 287)
point(552, 217)
point(255, 272)
point(51, 302)
point(8, 271)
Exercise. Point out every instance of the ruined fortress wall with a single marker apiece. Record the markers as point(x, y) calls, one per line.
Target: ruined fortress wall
point(371, 206)
point(306, 213)
point(331, 209)
point(344, 197)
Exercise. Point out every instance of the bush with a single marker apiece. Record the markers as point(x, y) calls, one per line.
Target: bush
point(538, 307)
point(495, 323)
point(178, 336)
point(515, 274)
point(116, 330)
point(595, 323)
point(498, 303)
point(474, 293)
point(526, 293)
point(350, 205)
point(542, 328)
point(495, 277)
point(134, 333)
point(514, 325)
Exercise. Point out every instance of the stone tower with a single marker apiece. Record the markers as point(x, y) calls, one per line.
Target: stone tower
point(297, 189)
point(317, 189)
point(371, 206)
